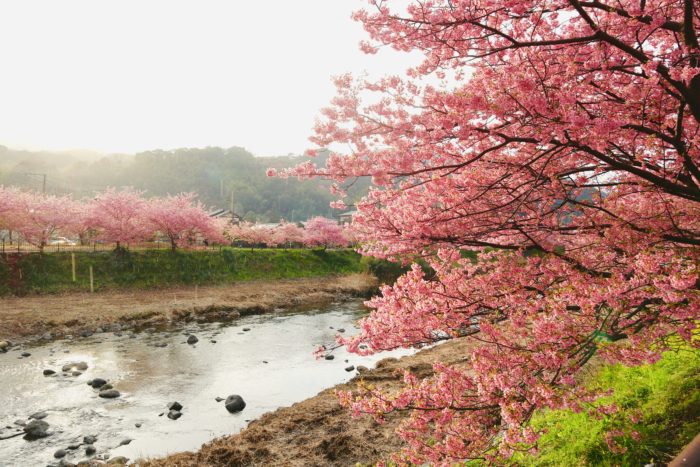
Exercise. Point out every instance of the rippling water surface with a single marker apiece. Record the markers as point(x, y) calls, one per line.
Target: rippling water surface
point(149, 377)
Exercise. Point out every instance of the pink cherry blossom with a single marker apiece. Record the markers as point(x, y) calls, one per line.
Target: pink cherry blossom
point(564, 150)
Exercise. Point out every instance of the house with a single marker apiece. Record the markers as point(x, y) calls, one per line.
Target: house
point(221, 213)
point(346, 217)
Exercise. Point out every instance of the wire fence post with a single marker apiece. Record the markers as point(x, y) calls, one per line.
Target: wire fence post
point(72, 263)
point(92, 286)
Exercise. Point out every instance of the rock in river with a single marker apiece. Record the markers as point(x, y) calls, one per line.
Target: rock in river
point(36, 429)
point(109, 393)
point(97, 383)
point(192, 339)
point(174, 414)
point(61, 453)
point(89, 439)
point(90, 450)
point(38, 415)
point(350, 368)
point(174, 406)
point(26, 354)
point(49, 372)
point(329, 357)
point(234, 403)
point(81, 366)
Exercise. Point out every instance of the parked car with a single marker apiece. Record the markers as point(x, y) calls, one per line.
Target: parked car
point(62, 241)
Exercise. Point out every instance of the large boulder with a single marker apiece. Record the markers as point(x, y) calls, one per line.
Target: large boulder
point(192, 339)
point(36, 429)
point(109, 394)
point(234, 403)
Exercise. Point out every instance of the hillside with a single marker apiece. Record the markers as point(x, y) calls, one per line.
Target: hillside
point(216, 174)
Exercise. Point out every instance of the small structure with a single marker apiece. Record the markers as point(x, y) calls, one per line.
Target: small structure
point(221, 213)
point(346, 217)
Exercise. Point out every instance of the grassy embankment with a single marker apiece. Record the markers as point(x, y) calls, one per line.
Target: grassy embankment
point(663, 399)
point(51, 273)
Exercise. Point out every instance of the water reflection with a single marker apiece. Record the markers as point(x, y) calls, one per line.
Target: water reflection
point(149, 377)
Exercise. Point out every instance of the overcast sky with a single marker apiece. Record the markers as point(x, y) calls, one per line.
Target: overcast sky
point(131, 75)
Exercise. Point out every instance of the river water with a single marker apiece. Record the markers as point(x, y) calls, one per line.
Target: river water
point(149, 377)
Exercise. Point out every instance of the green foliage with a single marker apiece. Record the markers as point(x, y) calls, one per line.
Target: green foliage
point(664, 396)
point(386, 271)
point(51, 273)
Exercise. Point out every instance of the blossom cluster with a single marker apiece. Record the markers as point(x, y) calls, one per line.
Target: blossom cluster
point(124, 217)
point(560, 141)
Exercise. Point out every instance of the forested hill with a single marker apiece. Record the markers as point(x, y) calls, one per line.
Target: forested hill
point(215, 174)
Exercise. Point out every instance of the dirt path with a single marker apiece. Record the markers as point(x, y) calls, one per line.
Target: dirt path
point(317, 431)
point(24, 317)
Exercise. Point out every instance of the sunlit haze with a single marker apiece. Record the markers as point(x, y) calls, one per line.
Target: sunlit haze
point(134, 75)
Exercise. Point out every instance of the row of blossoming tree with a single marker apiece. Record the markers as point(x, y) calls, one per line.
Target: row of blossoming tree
point(564, 146)
point(123, 217)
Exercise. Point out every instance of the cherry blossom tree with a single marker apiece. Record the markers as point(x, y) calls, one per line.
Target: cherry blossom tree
point(7, 199)
point(8, 205)
point(558, 140)
point(219, 232)
point(37, 217)
point(287, 233)
point(180, 218)
point(118, 216)
point(321, 231)
point(79, 221)
point(252, 234)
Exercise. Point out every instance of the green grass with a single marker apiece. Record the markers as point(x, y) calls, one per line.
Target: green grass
point(666, 397)
point(51, 273)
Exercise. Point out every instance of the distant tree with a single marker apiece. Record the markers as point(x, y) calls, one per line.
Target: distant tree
point(37, 217)
point(79, 223)
point(287, 233)
point(321, 231)
point(118, 216)
point(180, 218)
point(7, 199)
point(251, 234)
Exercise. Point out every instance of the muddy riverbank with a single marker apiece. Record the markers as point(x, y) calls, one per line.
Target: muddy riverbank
point(53, 316)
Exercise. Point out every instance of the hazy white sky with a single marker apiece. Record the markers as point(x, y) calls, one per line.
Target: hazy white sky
point(131, 75)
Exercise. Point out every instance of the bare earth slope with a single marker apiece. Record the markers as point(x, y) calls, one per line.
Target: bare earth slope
point(64, 314)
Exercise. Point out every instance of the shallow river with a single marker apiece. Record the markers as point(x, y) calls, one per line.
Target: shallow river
point(149, 377)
